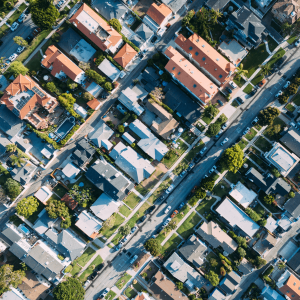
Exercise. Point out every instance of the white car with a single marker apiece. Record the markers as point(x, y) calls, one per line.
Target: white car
point(169, 189)
point(122, 74)
point(225, 125)
point(232, 84)
point(225, 141)
point(286, 84)
point(297, 43)
point(246, 131)
point(278, 94)
point(212, 169)
point(13, 57)
point(203, 150)
point(133, 259)
point(165, 223)
point(168, 209)
point(20, 49)
point(14, 26)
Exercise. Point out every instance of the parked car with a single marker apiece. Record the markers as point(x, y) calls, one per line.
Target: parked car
point(166, 222)
point(13, 57)
point(239, 99)
point(180, 205)
point(118, 247)
point(26, 11)
point(133, 229)
point(21, 18)
point(246, 130)
point(197, 158)
point(36, 31)
point(290, 114)
point(253, 92)
point(183, 173)
point(297, 43)
point(232, 84)
point(153, 40)
point(14, 26)
point(220, 102)
point(190, 167)
point(142, 219)
point(103, 293)
point(212, 169)
point(20, 49)
point(219, 133)
point(169, 189)
point(29, 38)
point(168, 209)
point(151, 209)
point(225, 125)
point(194, 189)
point(133, 259)
point(225, 141)
point(228, 90)
point(254, 121)
point(203, 150)
point(278, 94)
point(286, 84)
point(175, 212)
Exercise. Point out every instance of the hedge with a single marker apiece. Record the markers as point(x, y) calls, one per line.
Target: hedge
point(126, 40)
point(69, 135)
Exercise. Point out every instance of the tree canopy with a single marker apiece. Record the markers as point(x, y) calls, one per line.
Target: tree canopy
point(9, 277)
point(207, 184)
point(70, 289)
point(269, 199)
point(124, 230)
point(233, 158)
point(153, 246)
point(267, 115)
point(241, 241)
point(58, 209)
point(213, 129)
point(82, 196)
point(12, 188)
point(115, 23)
point(27, 206)
point(17, 68)
point(241, 251)
point(20, 41)
point(212, 277)
point(211, 111)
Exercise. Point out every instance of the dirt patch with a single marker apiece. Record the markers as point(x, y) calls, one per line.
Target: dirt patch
point(149, 271)
point(115, 117)
point(149, 183)
point(142, 7)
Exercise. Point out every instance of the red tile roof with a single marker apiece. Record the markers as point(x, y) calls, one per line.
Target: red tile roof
point(114, 36)
point(206, 56)
point(291, 288)
point(125, 55)
point(70, 202)
point(93, 104)
point(186, 73)
point(158, 13)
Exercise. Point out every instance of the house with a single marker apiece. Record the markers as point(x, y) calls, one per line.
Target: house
point(100, 135)
point(65, 242)
point(110, 9)
point(109, 180)
point(189, 77)
point(73, 44)
point(216, 4)
point(3, 143)
point(109, 69)
point(13, 294)
point(285, 223)
point(157, 17)
point(230, 282)
point(215, 236)
point(10, 124)
point(94, 104)
point(242, 195)
point(3, 83)
point(140, 91)
point(24, 98)
point(271, 224)
point(194, 251)
point(184, 273)
point(248, 28)
point(206, 58)
point(130, 100)
point(163, 288)
point(96, 29)
point(294, 260)
point(12, 233)
point(142, 296)
point(282, 159)
point(265, 243)
point(131, 162)
point(43, 194)
point(88, 224)
point(43, 222)
point(125, 56)
point(292, 206)
point(61, 66)
point(269, 294)
point(24, 173)
point(245, 267)
point(20, 248)
point(216, 294)
point(149, 143)
point(83, 153)
point(236, 217)
point(286, 11)
point(137, 41)
point(289, 285)
point(291, 140)
point(234, 51)
point(70, 171)
point(164, 124)
point(104, 207)
point(268, 183)
point(144, 32)
point(175, 5)
point(128, 138)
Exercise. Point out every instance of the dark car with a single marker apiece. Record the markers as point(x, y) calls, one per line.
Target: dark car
point(29, 38)
point(197, 158)
point(142, 219)
point(154, 39)
point(228, 90)
point(26, 11)
point(290, 114)
point(253, 92)
point(180, 205)
point(220, 102)
point(151, 209)
point(240, 100)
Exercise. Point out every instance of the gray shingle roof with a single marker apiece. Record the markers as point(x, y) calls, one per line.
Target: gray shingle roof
point(3, 143)
point(294, 262)
point(18, 251)
point(24, 173)
point(230, 282)
point(292, 140)
point(174, 5)
point(12, 235)
point(101, 132)
point(216, 4)
point(69, 40)
point(293, 206)
point(110, 9)
point(83, 152)
point(144, 32)
point(10, 124)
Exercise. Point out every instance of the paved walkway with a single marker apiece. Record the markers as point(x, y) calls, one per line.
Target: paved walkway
point(11, 12)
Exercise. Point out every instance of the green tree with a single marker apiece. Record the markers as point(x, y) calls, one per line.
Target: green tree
point(232, 158)
point(267, 115)
point(124, 230)
point(9, 277)
point(212, 277)
point(200, 194)
point(269, 199)
point(87, 96)
point(51, 86)
point(241, 241)
point(253, 215)
point(20, 41)
point(71, 289)
point(240, 71)
point(281, 265)
point(222, 271)
point(82, 196)
point(286, 28)
point(179, 285)
point(108, 86)
point(71, 84)
point(110, 222)
point(260, 262)
point(17, 160)
point(292, 194)
point(213, 262)
point(211, 111)
point(241, 251)
point(262, 222)
point(265, 69)
point(11, 148)
point(84, 65)
point(283, 98)
point(213, 129)
point(58, 209)
point(153, 246)
point(17, 68)
point(207, 184)
point(12, 188)
point(121, 128)
point(115, 24)
point(186, 20)
point(275, 172)
point(27, 206)
point(44, 16)
point(95, 76)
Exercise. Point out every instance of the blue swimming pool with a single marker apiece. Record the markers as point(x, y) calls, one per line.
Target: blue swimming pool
point(24, 229)
point(64, 128)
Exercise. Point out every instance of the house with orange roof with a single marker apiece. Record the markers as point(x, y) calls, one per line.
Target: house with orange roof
point(157, 17)
point(96, 29)
point(125, 56)
point(289, 285)
point(24, 97)
point(189, 77)
point(206, 58)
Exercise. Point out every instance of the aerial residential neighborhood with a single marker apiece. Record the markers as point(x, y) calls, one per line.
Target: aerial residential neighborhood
point(149, 150)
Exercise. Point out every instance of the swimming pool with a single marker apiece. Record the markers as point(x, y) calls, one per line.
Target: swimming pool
point(24, 229)
point(64, 128)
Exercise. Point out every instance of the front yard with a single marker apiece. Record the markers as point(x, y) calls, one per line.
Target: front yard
point(243, 143)
point(296, 100)
point(193, 152)
point(85, 257)
point(108, 232)
point(122, 281)
point(273, 131)
point(188, 226)
point(248, 89)
point(188, 136)
point(251, 134)
point(171, 244)
point(263, 144)
point(90, 269)
point(205, 206)
point(221, 189)
point(132, 200)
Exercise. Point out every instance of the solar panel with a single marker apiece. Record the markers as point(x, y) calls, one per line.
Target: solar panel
point(22, 102)
point(38, 92)
point(15, 111)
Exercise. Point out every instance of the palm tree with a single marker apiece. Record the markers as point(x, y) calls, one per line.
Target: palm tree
point(11, 148)
point(17, 160)
point(215, 14)
point(281, 266)
point(240, 71)
point(265, 69)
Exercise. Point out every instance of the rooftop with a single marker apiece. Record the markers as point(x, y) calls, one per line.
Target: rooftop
point(109, 69)
point(10, 124)
point(89, 224)
point(242, 195)
point(83, 153)
point(104, 207)
point(175, 5)
point(129, 98)
point(293, 206)
point(100, 135)
point(292, 140)
point(125, 55)
point(43, 194)
point(158, 13)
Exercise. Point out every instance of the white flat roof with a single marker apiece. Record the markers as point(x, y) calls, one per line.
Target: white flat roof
point(234, 51)
point(88, 223)
point(236, 217)
point(87, 21)
point(109, 69)
point(242, 195)
point(284, 223)
point(271, 224)
point(282, 159)
point(43, 194)
point(94, 89)
point(83, 51)
point(40, 227)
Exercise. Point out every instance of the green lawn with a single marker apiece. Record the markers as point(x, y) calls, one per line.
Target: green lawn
point(258, 127)
point(123, 280)
point(205, 206)
point(35, 63)
point(188, 136)
point(3, 28)
point(90, 269)
point(239, 81)
point(108, 232)
point(251, 134)
point(292, 39)
point(124, 210)
point(141, 190)
point(257, 79)
point(75, 270)
point(15, 16)
point(182, 147)
point(276, 57)
point(116, 239)
point(60, 190)
point(187, 227)
point(85, 257)
point(272, 43)
point(248, 88)
point(219, 191)
point(263, 144)
point(258, 160)
point(296, 100)
point(137, 286)
point(138, 214)
point(171, 244)
point(193, 152)
point(132, 200)
point(255, 58)
point(170, 159)
point(233, 177)
point(243, 143)
point(130, 293)
point(259, 210)
point(110, 295)
point(290, 107)
point(207, 120)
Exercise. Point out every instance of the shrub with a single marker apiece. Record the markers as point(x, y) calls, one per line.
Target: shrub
point(121, 128)
point(253, 215)
point(222, 271)
point(108, 86)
